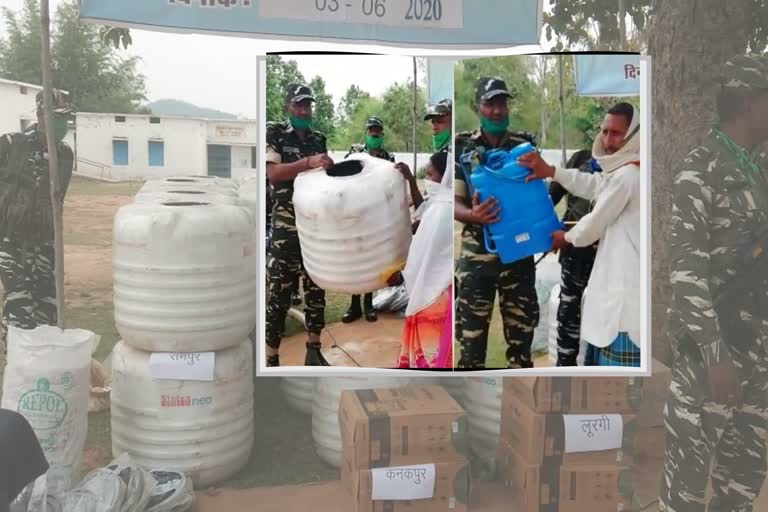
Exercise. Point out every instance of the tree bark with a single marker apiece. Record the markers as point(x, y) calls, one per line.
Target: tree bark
point(689, 41)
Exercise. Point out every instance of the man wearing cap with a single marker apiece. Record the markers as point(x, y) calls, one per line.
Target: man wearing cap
point(481, 274)
point(441, 116)
point(374, 142)
point(718, 402)
point(27, 255)
point(292, 148)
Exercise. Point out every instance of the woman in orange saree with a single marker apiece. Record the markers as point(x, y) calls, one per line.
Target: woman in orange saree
point(427, 338)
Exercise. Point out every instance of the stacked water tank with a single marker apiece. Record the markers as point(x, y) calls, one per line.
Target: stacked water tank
point(184, 282)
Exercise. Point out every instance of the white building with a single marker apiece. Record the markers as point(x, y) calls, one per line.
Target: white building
point(17, 105)
point(125, 147)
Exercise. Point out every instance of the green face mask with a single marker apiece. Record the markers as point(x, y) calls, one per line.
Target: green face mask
point(494, 127)
point(441, 139)
point(300, 123)
point(60, 128)
point(372, 142)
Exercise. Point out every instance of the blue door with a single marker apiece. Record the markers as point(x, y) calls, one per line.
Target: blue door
point(219, 161)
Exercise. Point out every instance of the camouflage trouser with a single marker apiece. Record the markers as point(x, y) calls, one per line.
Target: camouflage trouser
point(698, 429)
point(518, 304)
point(29, 284)
point(576, 267)
point(282, 280)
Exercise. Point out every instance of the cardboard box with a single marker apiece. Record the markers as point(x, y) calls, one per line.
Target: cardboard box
point(650, 444)
point(654, 393)
point(541, 438)
point(396, 427)
point(564, 488)
point(450, 492)
point(575, 394)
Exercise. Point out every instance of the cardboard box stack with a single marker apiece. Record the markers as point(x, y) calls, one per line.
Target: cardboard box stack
point(404, 450)
point(566, 443)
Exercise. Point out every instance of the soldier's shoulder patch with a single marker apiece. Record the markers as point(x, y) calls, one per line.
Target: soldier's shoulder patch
point(277, 126)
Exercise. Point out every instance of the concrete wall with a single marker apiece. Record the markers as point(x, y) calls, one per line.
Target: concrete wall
point(15, 106)
point(185, 144)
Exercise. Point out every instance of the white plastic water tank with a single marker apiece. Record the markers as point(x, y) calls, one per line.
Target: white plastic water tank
point(482, 397)
point(190, 194)
point(184, 276)
point(204, 429)
point(353, 223)
point(248, 196)
point(299, 392)
point(325, 408)
point(212, 183)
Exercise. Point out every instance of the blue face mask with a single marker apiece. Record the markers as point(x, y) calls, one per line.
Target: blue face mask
point(494, 127)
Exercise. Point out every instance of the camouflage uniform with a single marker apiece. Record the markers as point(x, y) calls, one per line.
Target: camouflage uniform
point(378, 153)
point(284, 146)
point(26, 227)
point(576, 266)
point(481, 274)
point(718, 206)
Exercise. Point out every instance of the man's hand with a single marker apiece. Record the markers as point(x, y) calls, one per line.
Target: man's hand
point(404, 170)
point(321, 160)
point(486, 212)
point(539, 168)
point(724, 385)
point(558, 241)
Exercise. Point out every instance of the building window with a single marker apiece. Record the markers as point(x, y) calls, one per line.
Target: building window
point(119, 119)
point(254, 157)
point(23, 90)
point(119, 152)
point(154, 120)
point(156, 153)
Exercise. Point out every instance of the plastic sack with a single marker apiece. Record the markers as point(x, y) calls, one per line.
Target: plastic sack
point(173, 492)
point(47, 380)
point(393, 299)
point(139, 484)
point(547, 276)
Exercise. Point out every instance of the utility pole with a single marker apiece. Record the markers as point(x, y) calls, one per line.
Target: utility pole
point(53, 164)
point(415, 97)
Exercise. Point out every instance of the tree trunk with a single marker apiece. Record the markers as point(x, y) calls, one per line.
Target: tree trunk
point(689, 40)
point(53, 165)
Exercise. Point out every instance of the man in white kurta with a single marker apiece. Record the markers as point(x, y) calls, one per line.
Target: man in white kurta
point(611, 305)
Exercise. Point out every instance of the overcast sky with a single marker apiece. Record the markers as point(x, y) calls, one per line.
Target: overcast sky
point(220, 72)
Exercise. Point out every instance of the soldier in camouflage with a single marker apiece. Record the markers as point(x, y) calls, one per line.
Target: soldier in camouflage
point(576, 265)
point(26, 218)
point(718, 404)
point(441, 116)
point(374, 139)
point(292, 148)
point(481, 274)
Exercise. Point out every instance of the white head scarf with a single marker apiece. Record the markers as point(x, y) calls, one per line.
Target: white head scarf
point(629, 152)
point(429, 268)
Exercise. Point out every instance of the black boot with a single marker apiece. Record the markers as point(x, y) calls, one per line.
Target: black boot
point(354, 312)
point(273, 360)
point(314, 357)
point(370, 313)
